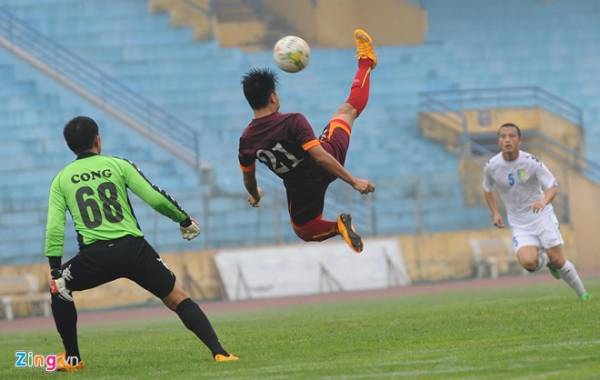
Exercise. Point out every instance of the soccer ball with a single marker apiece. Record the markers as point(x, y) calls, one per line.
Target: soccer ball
point(291, 54)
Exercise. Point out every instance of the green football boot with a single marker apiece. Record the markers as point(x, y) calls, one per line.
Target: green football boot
point(554, 271)
point(584, 296)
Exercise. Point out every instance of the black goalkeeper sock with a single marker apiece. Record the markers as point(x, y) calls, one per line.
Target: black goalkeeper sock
point(65, 317)
point(194, 319)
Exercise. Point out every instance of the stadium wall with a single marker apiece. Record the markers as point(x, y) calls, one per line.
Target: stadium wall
point(299, 14)
point(328, 22)
point(323, 23)
point(445, 127)
point(448, 255)
point(584, 196)
point(390, 22)
point(528, 119)
point(192, 13)
point(195, 271)
point(240, 33)
point(426, 258)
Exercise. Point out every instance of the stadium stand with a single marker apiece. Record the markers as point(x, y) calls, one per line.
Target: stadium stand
point(419, 188)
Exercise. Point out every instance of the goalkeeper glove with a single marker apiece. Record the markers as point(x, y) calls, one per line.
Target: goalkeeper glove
point(189, 229)
point(58, 283)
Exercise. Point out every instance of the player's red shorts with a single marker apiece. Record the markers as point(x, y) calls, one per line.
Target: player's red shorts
point(306, 200)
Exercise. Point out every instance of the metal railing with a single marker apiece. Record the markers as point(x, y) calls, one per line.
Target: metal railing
point(428, 102)
point(449, 106)
point(459, 100)
point(104, 91)
point(206, 11)
point(590, 169)
point(101, 89)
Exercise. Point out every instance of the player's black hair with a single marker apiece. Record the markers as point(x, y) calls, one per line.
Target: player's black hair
point(258, 85)
point(510, 125)
point(80, 133)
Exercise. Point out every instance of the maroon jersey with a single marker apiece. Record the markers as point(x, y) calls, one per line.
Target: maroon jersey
point(281, 141)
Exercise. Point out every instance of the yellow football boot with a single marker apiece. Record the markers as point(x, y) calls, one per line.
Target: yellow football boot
point(349, 234)
point(64, 366)
point(364, 46)
point(228, 358)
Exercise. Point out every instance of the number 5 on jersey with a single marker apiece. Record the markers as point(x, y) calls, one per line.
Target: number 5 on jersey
point(511, 179)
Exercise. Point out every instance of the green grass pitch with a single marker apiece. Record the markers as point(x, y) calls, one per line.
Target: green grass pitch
point(534, 332)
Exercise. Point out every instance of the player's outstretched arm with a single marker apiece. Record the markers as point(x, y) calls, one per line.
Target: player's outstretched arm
point(254, 192)
point(329, 163)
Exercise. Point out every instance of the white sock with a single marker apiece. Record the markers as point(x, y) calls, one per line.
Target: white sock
point(542, 261)
point(569, 274)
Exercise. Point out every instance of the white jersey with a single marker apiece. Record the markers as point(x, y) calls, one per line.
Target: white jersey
point(521, 183)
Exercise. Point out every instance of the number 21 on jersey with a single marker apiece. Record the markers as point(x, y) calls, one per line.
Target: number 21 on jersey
point(278, 159)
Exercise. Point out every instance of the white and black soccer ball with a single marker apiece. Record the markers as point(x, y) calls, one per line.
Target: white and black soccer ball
point(291, 54)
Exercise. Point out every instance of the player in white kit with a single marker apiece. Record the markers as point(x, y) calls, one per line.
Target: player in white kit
point(527, 189)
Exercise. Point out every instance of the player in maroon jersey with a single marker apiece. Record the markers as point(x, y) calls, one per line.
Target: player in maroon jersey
point(287, 144)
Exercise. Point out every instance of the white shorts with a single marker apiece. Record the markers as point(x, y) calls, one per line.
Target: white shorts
point(544, 233)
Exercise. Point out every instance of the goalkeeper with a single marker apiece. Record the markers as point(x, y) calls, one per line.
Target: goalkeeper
point(93, 189)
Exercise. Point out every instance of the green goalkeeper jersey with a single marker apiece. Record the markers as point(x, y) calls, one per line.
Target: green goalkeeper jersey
point(93, 189)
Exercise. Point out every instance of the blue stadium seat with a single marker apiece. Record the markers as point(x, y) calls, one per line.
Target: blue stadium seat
point(199, 82)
